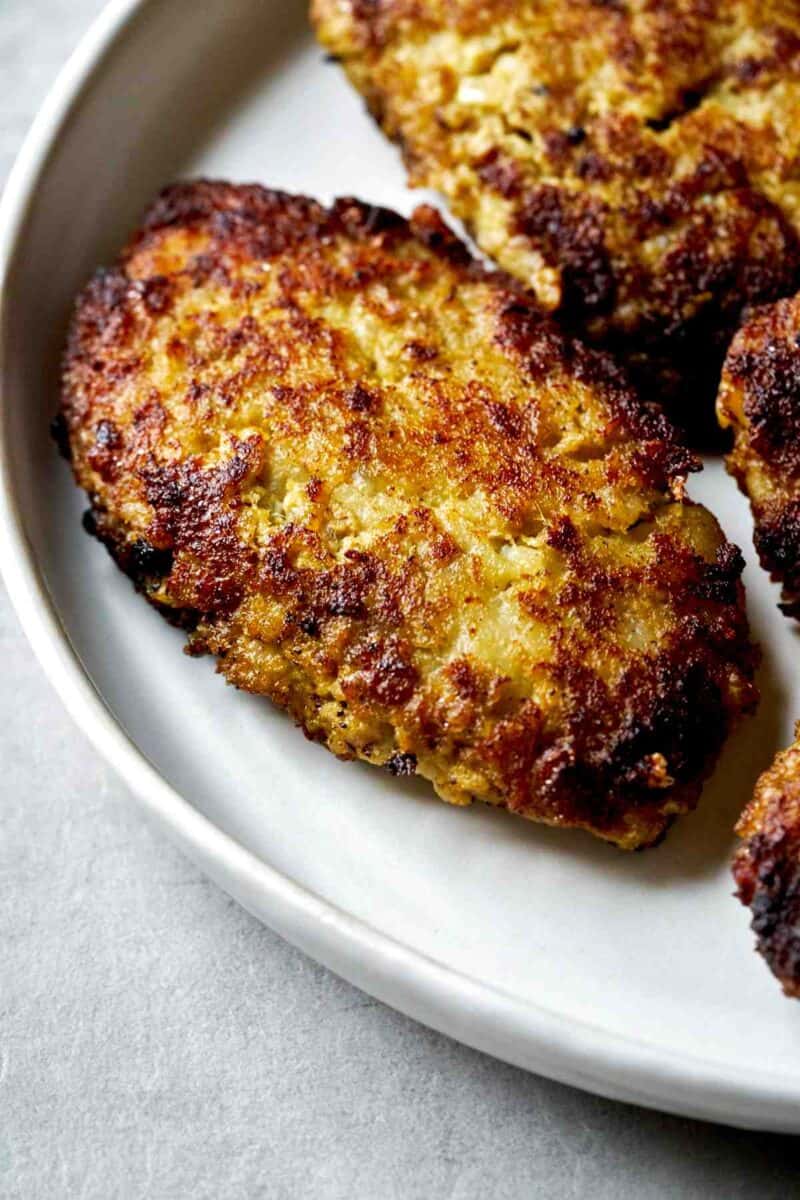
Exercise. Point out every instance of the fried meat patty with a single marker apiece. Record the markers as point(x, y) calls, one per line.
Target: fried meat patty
point(386, 492)
point(760, 398)
point(767, 866)
point(637, 163)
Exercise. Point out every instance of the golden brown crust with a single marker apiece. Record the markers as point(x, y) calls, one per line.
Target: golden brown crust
point(386, 492)
point(637, 164)
point(767, 866)
point(760, 398)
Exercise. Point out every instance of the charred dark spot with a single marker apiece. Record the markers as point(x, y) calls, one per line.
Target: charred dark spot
point(568, 230)
point(465, 679)
point(563, 536)
point(557, 147)
point(501, 173)
point(427, 224)
point(104, 455)
point(278, 573)
point(771, 382)
point(593, 168)
point(402, 764)
point(680, 714)
point(59, 432)
point(345, 598)
point(719, 581)
point(420, 352)
point(444, 548)
point(156, 293)
point(521, 324)
point(146, 563)
point(786, 43)
point(104, 316)
point(205, 268)
point(195, 510)
point(241, 335)
point(767, 872)
point(186, 496)
point(367, 219)
point(345, 590)
point(385, 675)
point(108, 290)
point(747, 70)
point(197, 392)
point(599, 767)
point(507, 420)
point(89, 523)
point(514, 747)
point(690, 100)
point(786, 48)
point(777, 543)
point(359, 399)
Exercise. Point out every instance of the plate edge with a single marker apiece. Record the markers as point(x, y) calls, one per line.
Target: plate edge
point(520, 1032)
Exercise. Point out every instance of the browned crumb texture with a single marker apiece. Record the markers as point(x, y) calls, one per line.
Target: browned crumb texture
point(637, 163)
point(384, 491)
point(767, 866)
point(760, 398)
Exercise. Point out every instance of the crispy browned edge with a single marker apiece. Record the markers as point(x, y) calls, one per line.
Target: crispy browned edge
point(767, 866)
point(760, 398)
point(684, 707)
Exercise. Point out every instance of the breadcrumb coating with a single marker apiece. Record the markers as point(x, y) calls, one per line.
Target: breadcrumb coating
point(637, 163)
point(389, 494)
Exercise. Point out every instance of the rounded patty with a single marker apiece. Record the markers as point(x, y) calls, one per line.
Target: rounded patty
point(638, 164)
point(387, 493)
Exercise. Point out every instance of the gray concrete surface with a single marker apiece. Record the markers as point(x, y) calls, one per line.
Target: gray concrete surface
point(155, 1041)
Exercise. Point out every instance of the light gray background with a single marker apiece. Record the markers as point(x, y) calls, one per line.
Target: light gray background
point(155, 1041)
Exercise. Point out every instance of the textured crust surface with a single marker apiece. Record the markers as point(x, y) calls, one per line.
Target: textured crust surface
point(387, 493)
point(760, 398)
point(767, 866)
point(637, 163)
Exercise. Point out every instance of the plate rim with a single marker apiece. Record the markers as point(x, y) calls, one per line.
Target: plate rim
point(529, 1035)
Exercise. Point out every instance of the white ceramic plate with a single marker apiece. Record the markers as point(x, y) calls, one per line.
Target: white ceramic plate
point(633, 976)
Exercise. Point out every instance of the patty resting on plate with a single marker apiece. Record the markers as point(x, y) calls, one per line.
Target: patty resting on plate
point(388, 493)
point(637, 163)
